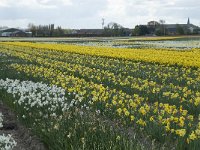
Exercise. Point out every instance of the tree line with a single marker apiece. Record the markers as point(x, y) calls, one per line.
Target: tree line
point(47, 30)
point(112, 29)
point(115, 29)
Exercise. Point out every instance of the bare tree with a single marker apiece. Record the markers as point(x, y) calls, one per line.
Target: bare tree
point(103, 21)
point(162, 22)
point(33, 29)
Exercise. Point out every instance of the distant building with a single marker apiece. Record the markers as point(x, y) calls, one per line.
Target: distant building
point(14, 32)
point(152, 23)
point(85, 33)
point(90, 32)
point(188, 22)
point(171, 29)
point(96, 32)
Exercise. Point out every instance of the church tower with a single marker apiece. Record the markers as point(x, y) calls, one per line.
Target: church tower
point(188, 22)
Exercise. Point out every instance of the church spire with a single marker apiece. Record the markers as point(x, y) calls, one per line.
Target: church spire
point(188, 22)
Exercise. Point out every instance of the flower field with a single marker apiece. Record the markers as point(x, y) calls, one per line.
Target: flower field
point(87, 97)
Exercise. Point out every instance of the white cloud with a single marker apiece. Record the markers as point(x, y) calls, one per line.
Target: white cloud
point(34, 3)
point(88, 13)
point(3, 3)
point(21, 23)
point(132, 12)
point(115, 8)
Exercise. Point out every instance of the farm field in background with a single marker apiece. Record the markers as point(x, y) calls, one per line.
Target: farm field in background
point(105, 93)
point(176, 42)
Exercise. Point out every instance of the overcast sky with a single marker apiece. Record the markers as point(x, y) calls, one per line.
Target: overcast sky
point(89, 13)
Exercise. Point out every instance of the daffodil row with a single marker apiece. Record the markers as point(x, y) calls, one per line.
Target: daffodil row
point(183, 58)
point(146, 110)
point(129, 108)
point(186, 76)
point(129, 84)
point(58, 118)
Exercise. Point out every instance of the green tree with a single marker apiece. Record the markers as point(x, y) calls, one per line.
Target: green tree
point(114, 29)
point(140, 30)
point(179, 29)
point(59, 32)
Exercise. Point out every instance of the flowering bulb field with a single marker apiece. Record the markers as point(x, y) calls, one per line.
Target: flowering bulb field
point(83, 97)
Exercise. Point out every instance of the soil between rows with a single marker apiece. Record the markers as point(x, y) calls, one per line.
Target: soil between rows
point(23, 136)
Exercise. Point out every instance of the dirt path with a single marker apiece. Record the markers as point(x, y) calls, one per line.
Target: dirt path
point(25, 140)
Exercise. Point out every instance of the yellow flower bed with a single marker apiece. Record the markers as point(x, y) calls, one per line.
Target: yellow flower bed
point(151, 96)
point(185, 58)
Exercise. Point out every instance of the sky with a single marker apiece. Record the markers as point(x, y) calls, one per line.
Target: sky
point(76, 14)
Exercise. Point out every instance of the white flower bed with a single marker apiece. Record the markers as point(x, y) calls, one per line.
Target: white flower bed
point(6, 142)
point(180, 45)
point(41, 100)
point(174, 44)
point(47, 100)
